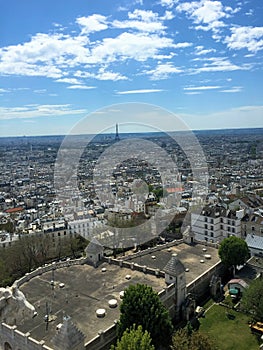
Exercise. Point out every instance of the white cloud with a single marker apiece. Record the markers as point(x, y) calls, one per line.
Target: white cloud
point(67, 57)
point(162, 71)
point(200, 50)
point(40, 91)
point(233, 89)
point(192, 93)
point(168, 3)
point(93, 23)
point(250, 38)
point(250, 12)
point(218, 64)
point(141, 91)
point(108, 75)
point(4, 90)
point(68, 81)
point(23, 68)
point(168, 16)
point(126, 46)
point(44, 55)
point(202, 88)
point(81, 87)
point(143, 15)
point(206, 13)
point(102, 74)
point(150, 27)
point(145, 21)
point(238, 117)
point(35, 110)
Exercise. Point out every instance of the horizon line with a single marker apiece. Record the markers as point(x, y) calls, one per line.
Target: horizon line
point(133, 132)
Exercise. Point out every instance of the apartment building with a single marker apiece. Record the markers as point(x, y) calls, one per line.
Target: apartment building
point(216, 223)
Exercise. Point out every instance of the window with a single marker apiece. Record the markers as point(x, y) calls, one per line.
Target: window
point(253, 228)
point(212, 228)
point(233, 222)
point(206, 233)
point(205, 219)
point(221, 227)
point(233, 230)
point(205, 225)
point(228, 229)
point(212, 221)
point(212, 234)
point(221, 220)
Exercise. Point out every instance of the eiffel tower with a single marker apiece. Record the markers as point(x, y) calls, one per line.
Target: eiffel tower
point(117, 137)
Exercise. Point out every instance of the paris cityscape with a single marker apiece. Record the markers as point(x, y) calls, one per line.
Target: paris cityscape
point(131, 186)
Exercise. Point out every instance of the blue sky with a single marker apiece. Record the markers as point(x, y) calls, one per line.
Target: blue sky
point(62, 60)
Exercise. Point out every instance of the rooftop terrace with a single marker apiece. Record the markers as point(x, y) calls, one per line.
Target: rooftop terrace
point(80, 290)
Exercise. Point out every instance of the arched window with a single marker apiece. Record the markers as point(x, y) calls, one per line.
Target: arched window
point(7, 346)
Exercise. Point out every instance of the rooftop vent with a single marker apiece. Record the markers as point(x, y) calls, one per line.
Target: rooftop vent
point(112, 303)
point(101, 312)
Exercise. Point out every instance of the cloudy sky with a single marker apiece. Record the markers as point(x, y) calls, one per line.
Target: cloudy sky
point(61, 60)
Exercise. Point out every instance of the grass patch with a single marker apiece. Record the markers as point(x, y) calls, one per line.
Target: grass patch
point(229, 334)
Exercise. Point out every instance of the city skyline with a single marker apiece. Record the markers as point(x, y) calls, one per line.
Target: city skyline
point(59, 63)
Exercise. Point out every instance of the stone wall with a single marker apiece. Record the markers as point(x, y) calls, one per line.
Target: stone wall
point(103, 340)
point(153, 249)
point(134, 266)
point(18, 340)
point(198, 288)
point(50, 267)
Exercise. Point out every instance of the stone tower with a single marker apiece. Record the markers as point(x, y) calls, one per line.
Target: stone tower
point(68, 337)
point(175, 274)
point(94, 251)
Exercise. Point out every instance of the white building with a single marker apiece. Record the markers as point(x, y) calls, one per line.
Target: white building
point(84, 227)
point(255, 244)
point(216, 223)
point(7, 239)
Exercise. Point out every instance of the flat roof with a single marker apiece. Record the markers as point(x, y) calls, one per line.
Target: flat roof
point(87, 289)
point(189, 255)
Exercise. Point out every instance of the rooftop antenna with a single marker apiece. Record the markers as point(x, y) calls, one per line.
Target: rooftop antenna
point(47, 316)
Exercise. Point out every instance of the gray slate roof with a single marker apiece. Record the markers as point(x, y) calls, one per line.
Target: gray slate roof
point(174, 267)
point(68, 336)
point(254, 241)
point(94, 247)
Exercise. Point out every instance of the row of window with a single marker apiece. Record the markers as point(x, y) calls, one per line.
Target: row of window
point(229, 222)
point(221, 228)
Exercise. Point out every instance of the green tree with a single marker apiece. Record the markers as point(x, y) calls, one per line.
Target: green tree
point(141, 305)
point(252, 300)
point(183, 340)
point(134, 339)
point(233, 251)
